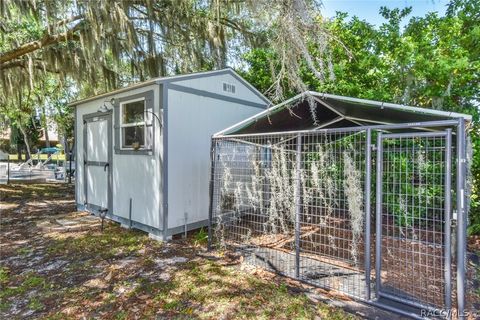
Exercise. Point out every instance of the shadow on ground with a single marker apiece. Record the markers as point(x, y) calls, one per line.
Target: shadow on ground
point(55, 263)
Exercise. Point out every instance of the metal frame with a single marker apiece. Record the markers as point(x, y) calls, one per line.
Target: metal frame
point(406, 136)
point(400, 107)
point(368, 177)
point(397, 126)
point(461, 217)
point(320, 97)
point(455, 128)
point(448, 220)
point(298, 204)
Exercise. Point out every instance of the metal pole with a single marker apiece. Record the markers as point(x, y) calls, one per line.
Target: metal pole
point(416, 134)
point(70, 167)
point(185, 230)
point(447, 217)
point(378, 222)
point(298, 205)
point(130, 213)
point(368, 169)
point(461, 217)
point(210, 209)
point(8, 169)
point(415, 125)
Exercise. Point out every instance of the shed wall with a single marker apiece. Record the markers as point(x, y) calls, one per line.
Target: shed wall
point(192, 120)
point(214, 84)
point(137, 177)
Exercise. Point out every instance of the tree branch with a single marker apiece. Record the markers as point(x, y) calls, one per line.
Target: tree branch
point(35, 45)
point(24, 64)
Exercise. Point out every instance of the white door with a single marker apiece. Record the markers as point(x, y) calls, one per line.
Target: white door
point(97, 161)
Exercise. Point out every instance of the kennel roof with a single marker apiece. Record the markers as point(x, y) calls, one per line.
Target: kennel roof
point(333, 111)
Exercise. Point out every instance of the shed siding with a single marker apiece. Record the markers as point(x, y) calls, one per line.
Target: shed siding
point(134, 176)
point(214, 84)
point(192, 120)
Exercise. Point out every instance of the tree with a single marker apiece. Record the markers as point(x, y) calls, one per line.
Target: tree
point(112, 43)
point(95, 46)
point(23, 137)
point(432, 62)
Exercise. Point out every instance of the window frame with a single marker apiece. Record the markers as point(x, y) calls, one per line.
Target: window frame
point(150, 127)
point(133, 124)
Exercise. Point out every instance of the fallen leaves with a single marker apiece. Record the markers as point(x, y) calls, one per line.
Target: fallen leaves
point(96, 283)
point(57, 263)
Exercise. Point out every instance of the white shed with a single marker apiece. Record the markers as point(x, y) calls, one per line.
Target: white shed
point(143, 152)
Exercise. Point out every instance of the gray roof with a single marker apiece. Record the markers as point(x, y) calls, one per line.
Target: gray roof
point(333, 111)
point(174, 79)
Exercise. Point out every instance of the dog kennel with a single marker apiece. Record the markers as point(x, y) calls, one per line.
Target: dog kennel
point(364, 198)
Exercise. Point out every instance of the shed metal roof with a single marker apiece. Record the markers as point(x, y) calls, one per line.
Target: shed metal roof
point(334, 111)
point(175, 78)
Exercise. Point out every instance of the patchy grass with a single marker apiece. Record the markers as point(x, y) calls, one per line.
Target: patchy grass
point(200, 237)
point(107, 245)
point(56, 270)
point(30, 192)
point(3, 276)
point(207, 290)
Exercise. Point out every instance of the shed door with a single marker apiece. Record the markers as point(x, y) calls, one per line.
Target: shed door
point(413, 218)
point(97, 161)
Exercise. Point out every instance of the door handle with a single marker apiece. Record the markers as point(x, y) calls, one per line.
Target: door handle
point(105, 166)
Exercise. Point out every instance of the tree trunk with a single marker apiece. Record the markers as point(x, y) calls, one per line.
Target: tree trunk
point(19, 152)
point(45, 127)
point(27, 143)
point(47, 140)
point(65, 144)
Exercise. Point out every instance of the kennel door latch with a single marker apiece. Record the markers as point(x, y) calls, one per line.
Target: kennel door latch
point(454, 216)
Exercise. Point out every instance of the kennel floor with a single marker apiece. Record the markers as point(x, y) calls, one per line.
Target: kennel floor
point(313, 271)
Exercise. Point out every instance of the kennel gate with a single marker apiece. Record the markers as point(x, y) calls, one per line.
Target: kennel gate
point(302, 204)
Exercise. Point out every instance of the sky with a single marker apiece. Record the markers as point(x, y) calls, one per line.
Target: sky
point(368, 9)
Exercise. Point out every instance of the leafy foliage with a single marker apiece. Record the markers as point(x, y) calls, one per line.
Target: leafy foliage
point(83, 48)
point(432, 62)
point(201, 237)
point(413, 181)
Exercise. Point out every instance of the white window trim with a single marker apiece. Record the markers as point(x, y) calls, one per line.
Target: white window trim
point(133, 124)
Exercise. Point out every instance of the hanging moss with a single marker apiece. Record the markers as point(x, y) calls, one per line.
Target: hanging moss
point(103, 45)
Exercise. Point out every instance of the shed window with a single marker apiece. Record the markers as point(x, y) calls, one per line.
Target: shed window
point(134, 128)
point(133, 125)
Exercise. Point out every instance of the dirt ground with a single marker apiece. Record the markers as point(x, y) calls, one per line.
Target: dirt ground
point(55, 263)
point(473, 275)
